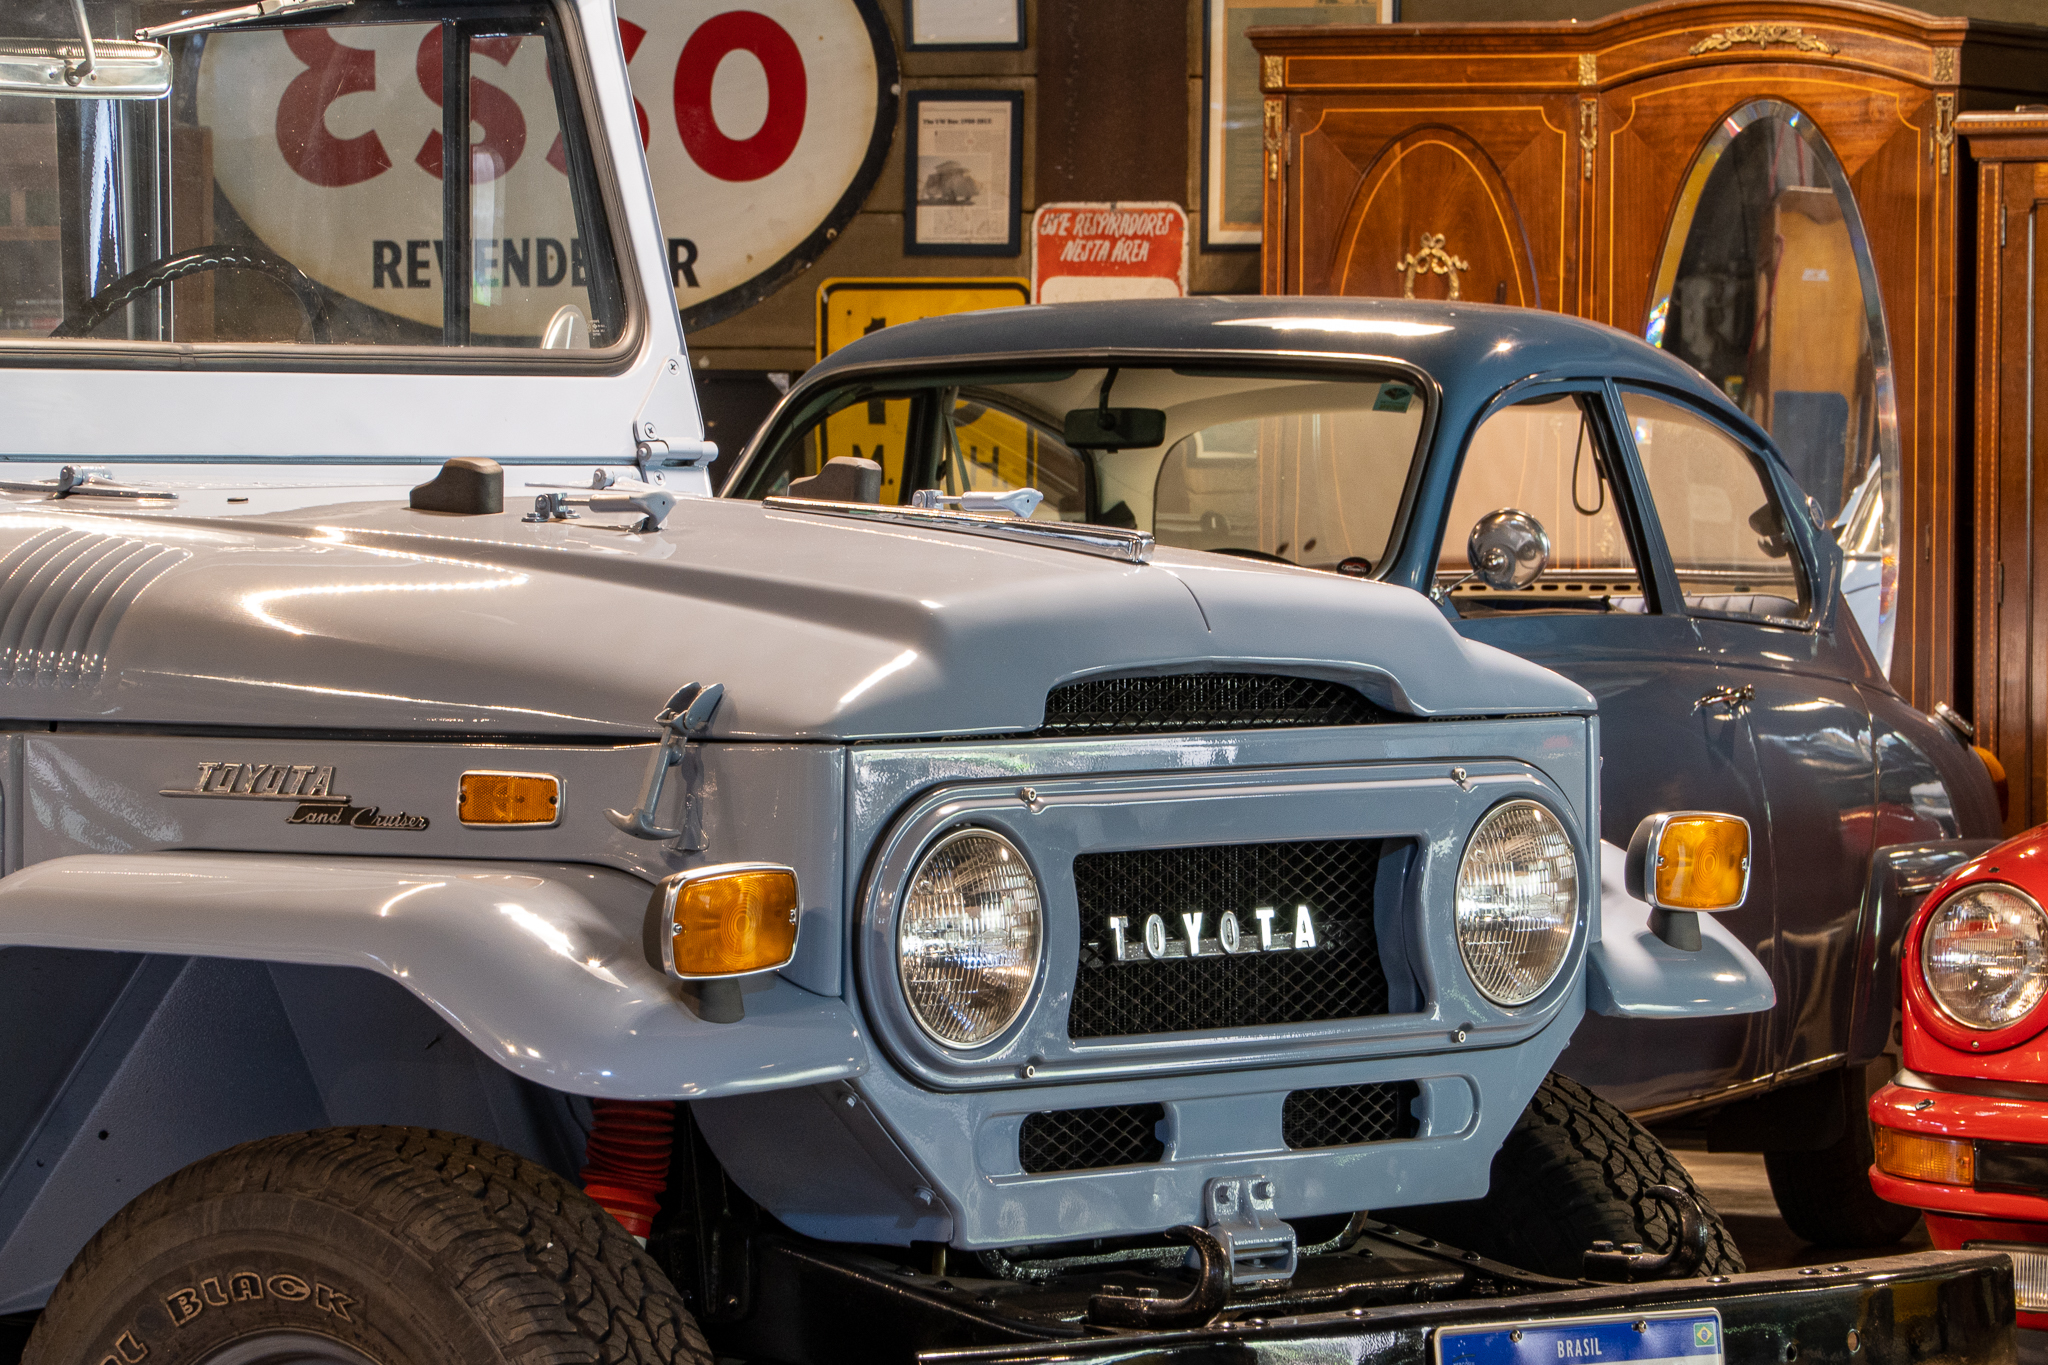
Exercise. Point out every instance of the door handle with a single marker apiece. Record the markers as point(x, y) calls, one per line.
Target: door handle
point(1736, 699)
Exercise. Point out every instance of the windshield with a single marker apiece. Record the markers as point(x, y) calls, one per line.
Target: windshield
point(294, 188)
point(1303, 468)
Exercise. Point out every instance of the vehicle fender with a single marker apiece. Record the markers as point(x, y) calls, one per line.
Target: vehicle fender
point(539, 965)
point(124, 1068)
point(1901, 875)
point(1632, 973)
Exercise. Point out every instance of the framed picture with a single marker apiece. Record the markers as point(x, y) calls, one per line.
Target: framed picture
point(963, 177)
point(1233, 138)
point(962, 25)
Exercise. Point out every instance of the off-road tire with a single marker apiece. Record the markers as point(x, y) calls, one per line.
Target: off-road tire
point(394, 1246)
point(1574, 1170)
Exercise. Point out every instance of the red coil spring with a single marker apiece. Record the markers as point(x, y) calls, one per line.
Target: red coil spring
point(626, 1162)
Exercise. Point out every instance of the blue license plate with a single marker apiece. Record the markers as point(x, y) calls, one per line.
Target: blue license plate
point(1692, 1338)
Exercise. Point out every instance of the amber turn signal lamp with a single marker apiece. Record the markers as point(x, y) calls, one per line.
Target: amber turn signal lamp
point(515, 799)
point(1690, 860)
point(729, 920)
point(1917, 1156)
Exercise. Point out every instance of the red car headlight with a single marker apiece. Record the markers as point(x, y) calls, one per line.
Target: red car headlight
point(1984, 955)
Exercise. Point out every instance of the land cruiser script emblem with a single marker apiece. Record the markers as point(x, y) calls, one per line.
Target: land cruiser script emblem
point(1266, 930)
point(310, 787)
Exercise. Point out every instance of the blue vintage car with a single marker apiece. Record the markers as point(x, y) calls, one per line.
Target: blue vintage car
point(1562, 491)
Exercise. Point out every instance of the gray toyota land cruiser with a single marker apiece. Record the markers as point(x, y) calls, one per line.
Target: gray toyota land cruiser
point(467, 895)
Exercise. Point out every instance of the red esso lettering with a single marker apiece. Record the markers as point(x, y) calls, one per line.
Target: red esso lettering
point(504, 126)
point(740, 159)
point(332, 71)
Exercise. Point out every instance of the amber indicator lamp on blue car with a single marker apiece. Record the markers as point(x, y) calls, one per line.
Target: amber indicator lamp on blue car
point(510, 800)
point(1682, 863)
point(711, 925)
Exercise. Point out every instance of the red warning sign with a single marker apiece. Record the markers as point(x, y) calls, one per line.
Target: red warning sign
point(1108, 251)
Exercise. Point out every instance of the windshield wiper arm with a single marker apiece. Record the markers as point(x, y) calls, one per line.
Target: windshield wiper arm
point(78, 481)
point(240, 14)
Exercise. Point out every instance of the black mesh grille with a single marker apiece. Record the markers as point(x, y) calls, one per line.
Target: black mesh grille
point(1339, 979)
point(1344, 1114)
point(1202, 701)
point(1089, 1139)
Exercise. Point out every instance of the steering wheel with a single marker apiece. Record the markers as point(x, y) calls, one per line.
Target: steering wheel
point(1240, 552)
point(167, 270)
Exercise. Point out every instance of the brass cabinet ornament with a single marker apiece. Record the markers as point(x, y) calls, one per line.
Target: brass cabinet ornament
point(1431, 260)
point(1763, 35)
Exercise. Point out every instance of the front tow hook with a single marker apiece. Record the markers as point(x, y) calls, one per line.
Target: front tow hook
point(1196, 1308)
point(1630, 1264)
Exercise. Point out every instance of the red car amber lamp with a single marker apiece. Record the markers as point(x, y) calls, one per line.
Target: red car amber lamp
point(1920, 1156)
point(1977, 966)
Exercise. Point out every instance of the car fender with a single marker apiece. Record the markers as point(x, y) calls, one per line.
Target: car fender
point(538, 965)
point(1901, 875)
point(1632, 973)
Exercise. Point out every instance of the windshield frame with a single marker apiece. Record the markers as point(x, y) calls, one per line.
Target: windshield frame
point(807, 400)
point(590, 156)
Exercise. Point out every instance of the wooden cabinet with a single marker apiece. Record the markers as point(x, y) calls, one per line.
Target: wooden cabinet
point(1773, 190)
point(2010, 588)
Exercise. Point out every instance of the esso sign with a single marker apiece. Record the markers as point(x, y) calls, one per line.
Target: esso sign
point(764, 128)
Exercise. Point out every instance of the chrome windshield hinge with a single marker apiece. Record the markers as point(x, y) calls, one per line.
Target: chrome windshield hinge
point(683, 720)
point(1259, 1245)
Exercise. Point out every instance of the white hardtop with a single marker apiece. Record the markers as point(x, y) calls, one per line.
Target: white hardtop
point(232, 428)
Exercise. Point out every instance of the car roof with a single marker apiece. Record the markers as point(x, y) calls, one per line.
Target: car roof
point(1479, 348)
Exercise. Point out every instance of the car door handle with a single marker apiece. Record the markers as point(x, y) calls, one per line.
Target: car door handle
point(1736, 699)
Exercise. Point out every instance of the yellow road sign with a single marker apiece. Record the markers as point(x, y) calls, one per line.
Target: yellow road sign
point(850, 308)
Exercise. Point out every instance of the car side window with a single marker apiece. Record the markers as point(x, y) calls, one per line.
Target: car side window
point(1543, 457)
point(1725, 529)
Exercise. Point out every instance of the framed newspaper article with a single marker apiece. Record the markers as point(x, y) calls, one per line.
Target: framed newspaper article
point(964, 175)
point(1233, 116)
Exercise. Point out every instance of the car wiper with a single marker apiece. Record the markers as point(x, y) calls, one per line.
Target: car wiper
point(240, 14)
point(1111, 542)
point(74, 481)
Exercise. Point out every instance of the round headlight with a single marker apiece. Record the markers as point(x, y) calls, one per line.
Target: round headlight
point(1518, 900)
point(1984, 955)
point(968, 942)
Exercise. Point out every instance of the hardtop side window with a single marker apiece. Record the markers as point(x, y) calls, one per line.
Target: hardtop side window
point(1722, 523)
point(1545, 457)
point(295, 188)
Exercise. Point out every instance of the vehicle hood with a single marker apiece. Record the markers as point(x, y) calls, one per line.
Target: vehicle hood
point(376, 617)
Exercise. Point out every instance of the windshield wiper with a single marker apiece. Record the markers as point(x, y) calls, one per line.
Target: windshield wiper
point(1111, 542)
point(77, 481)
point(240, 14)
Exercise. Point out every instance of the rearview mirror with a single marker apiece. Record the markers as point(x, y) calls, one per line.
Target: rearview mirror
point(1101, 428)
point(104, 69)
point(1508, 549)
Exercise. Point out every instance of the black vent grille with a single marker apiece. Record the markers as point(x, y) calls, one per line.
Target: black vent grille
point(1341, 1115)
point(1341, 978)
point(1202, 701)
point(1090, 1139)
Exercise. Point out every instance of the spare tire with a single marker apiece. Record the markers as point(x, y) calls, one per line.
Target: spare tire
point(365, 1246)
point(1574, 1170)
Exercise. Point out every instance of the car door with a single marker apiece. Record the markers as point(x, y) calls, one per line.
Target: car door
point(1758, 592)
point(1604, 614)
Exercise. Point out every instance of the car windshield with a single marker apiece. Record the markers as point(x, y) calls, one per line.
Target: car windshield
point(1306, 468)
point(294, 188)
